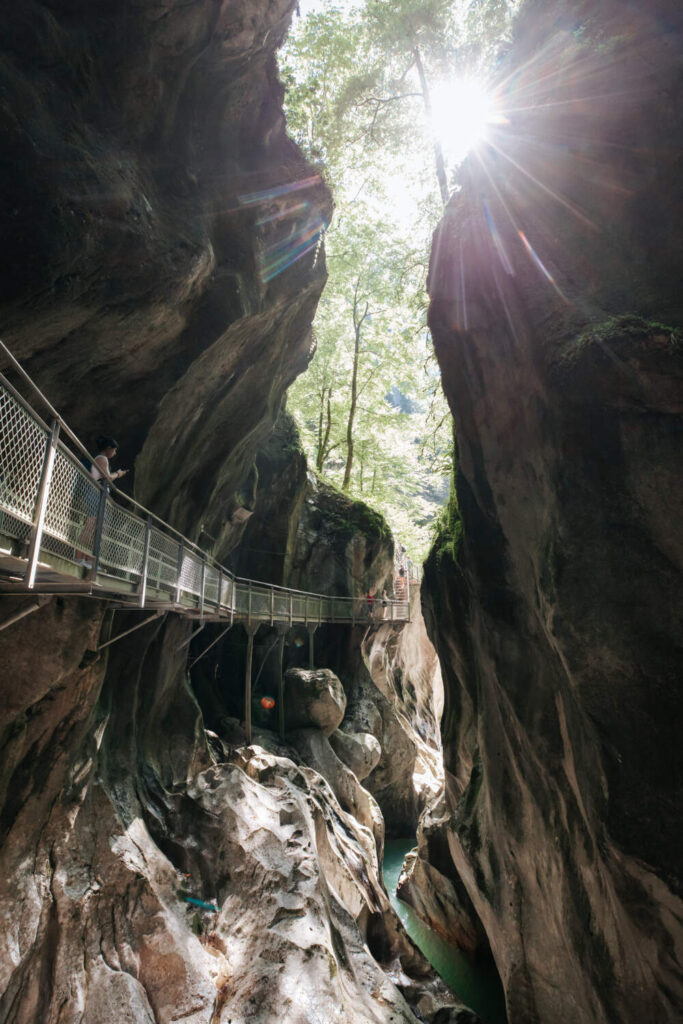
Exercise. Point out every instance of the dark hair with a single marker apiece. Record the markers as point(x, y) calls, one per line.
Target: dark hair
point(106, 442)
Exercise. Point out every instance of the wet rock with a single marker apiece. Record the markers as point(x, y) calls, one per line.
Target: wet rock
point(314, 697)
point(359, 751)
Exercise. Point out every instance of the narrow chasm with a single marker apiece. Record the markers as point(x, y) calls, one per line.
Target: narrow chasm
point(260, 762)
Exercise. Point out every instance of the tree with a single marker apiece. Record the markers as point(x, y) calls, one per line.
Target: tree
point(358, 100)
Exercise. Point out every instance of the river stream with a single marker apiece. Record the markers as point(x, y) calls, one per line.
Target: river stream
point(476, 984)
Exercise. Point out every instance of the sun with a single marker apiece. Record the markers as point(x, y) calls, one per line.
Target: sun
point(462, 111)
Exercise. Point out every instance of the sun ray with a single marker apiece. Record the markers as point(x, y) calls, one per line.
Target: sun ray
point(545, 188)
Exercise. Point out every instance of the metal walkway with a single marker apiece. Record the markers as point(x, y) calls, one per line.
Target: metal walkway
point(51, 508)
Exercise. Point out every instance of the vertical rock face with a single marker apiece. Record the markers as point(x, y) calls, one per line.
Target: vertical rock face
point(555, 604)
point(158, 279)
point(402, 665)
point(306, 535)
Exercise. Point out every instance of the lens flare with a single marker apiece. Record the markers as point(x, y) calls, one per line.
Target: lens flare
point(462, 111)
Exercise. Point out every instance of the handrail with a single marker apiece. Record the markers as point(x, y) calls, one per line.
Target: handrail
point(75, 439)
point(48, 497)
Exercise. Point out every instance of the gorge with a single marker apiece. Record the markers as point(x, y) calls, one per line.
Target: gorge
point(160, 284)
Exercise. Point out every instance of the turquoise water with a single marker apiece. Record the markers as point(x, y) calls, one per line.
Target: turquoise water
point(476, 984)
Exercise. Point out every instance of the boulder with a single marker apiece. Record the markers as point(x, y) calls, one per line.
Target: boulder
point(315, 750)
point(360, 751)
point(313, 698)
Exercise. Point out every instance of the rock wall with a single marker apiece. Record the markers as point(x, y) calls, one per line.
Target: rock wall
point(401, 665)
point(307, 535)
point(554, 600)
point(146, 879)
point(159, 282)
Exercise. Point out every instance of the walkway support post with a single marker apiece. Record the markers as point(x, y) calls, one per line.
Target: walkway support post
point(142, 592)
point(252, 629)
point(41, 505)
point(282, 630)
point(311, 627)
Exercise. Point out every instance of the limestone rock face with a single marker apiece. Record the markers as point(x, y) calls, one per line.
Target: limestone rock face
point(430, 884)
point(314, 697)
point(161, 885)
point(393, 681)
point(359, 751)
point(306, 535)
point(555, 600)
point(317, 752)
point(342, 546)
point(149, 236)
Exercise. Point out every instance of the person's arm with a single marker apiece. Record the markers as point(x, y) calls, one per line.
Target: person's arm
point(102, 463)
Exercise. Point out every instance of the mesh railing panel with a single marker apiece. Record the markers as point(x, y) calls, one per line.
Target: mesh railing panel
point(281, 606)
point(191, 574)
point(63, 549)
point(211, 586)
point(162, 565)
point(226, 592)
point(72, 503)
point(241, 598)
point(261, 602)
point(13, 527)
point(123, 540)
point(70, 524)
point(22, 451)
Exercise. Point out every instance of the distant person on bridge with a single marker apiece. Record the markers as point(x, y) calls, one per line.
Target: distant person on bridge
point(385, 603)
point(370, 599)
point(99, 470)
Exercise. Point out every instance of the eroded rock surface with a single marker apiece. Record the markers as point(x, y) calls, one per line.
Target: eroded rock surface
point(400, 678)
point(554, 600)
point(360, 751)
point(148, 227)
point(306, 535)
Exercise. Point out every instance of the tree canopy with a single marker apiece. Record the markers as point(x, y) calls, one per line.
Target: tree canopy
point(360, 79)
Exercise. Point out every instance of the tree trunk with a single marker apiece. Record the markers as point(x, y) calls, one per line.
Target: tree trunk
point(324, 439)
point(319, 446)
point(438, 152)
point(357, 325)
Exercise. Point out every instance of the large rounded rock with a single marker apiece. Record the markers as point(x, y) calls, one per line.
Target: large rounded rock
point(313, 698)
point(360, 751)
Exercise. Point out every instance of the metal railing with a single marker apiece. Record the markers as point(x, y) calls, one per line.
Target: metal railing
point(54, 512)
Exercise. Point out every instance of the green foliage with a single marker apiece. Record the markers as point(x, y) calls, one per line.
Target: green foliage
point(370, 408)
point(347, 517)
point(449, 531)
